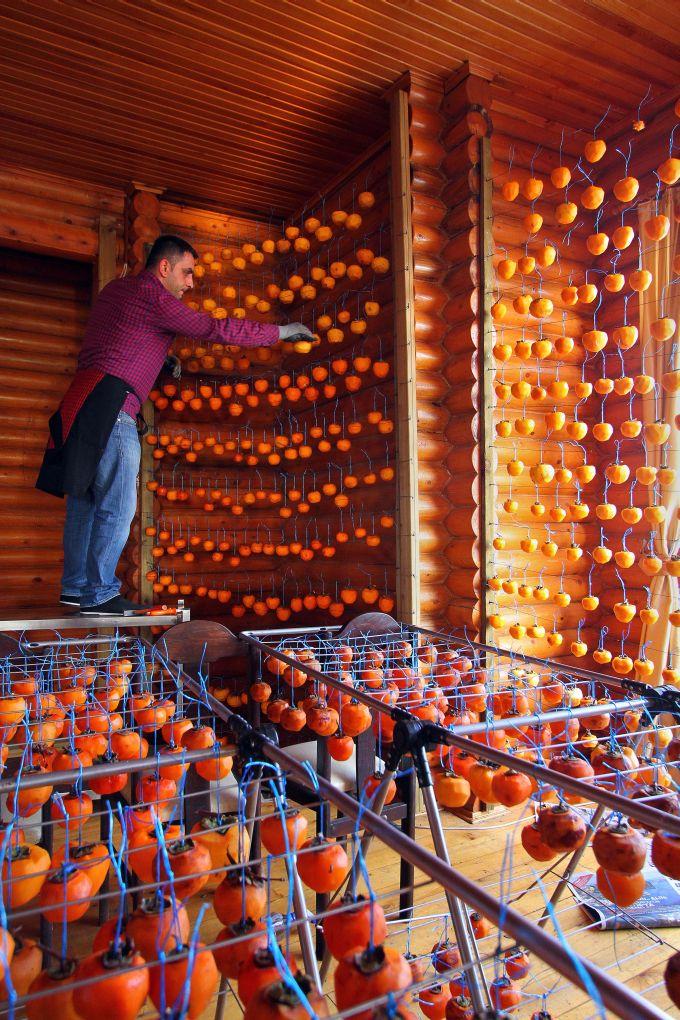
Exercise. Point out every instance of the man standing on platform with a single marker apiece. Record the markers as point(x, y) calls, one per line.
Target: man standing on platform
point(93, 453)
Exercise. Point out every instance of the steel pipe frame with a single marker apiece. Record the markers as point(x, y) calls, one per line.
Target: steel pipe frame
point(242, 727)
point(652, 817)
point(617, 997)
point(462, 642)
point(68, 777)
point(76, 622)
point(535, 718)
point(623, 1002)
point(552, 778)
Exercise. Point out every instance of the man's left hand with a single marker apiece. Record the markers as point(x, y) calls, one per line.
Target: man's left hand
point(174, 366)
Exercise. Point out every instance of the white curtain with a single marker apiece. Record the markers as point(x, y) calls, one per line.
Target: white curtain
point(662, 640)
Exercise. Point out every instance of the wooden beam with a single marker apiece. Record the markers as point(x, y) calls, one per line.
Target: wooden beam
point(408, 572)
point(145, 509)
point(106, 251)
point(47, 237)
point(485, 380)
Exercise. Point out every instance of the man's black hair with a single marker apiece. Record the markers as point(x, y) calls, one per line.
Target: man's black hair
point(170, 247)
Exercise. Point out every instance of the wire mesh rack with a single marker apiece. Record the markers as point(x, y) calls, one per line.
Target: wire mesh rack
point(180, 876)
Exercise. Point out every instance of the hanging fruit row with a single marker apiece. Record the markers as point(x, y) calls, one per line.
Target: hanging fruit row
point(535, 335)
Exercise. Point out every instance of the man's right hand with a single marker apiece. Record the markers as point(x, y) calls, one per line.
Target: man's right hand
point(295, 331)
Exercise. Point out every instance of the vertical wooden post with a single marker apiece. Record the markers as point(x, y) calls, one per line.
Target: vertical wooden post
point(485, 388)
point(408, 579)
point(142, 210)
point(146, 511)
point(106, 251)
point(105, 271)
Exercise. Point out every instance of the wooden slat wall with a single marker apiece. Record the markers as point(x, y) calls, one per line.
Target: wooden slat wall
point(44, 304)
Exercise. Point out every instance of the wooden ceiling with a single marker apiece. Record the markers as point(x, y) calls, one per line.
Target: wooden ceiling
point(254, 105)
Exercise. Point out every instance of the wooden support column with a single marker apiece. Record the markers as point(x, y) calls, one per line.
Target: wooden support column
point(487, 495)
point(142, 212)
point(106, 251)
point(408, 572)
point(142, 228)
point(146, 511)
point(464, 259)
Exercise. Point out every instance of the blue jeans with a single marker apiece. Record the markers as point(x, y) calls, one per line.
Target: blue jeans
point(97, 525)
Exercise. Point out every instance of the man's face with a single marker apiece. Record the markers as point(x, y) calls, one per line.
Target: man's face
point(178, 278)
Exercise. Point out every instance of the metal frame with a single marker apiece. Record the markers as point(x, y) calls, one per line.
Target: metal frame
point(617, 997)
point(261, 745)
point(412, 736)
point(242, 747)
point(140, 620)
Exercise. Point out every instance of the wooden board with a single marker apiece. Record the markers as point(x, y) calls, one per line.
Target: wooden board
point(408, 581)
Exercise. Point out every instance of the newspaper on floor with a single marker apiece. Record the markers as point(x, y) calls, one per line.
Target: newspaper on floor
point(658, 907)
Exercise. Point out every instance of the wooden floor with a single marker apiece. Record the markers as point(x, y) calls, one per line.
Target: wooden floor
point(491, 854)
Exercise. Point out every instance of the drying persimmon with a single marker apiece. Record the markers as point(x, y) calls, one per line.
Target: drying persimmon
point(258, 972)
point(618, 847)
point(561, 828)
point(378, 971)
point(58, 981)
point(25, 966)
point(323, 864)
point(236, 944)
point(168, 983)
point(24, 871)
point(157, 926)
point(353, 924)
point(621, 889)
point(121, 987)
point(665, 853)
point(184, 862)
point(278, 841)
point(66, 895)
point(241, 894)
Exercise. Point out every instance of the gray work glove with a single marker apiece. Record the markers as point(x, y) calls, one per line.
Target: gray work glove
point(174, 365)
point(295, 331)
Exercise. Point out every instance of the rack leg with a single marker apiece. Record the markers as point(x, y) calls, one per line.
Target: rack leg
point(465, 939)
point(307, 946)
point(47, 842)
point(304, 926)
point(104, 836)
point(221, 999)
point(408, 827)
point(570, 869)
point(252, 806)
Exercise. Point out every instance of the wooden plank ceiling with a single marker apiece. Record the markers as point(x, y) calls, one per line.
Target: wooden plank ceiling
point(253, 105)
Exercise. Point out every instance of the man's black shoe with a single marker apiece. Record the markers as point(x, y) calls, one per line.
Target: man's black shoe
point(70, 600)
point(117, 606)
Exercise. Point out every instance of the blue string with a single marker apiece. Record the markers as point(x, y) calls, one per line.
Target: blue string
point(116, 860)
point(181, 1003)
point(285, 971)
point(585, 977)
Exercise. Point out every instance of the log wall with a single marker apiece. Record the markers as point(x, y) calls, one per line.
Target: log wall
point(44, 303)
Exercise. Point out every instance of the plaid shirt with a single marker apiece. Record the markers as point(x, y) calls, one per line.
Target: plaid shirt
point(135, 320)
